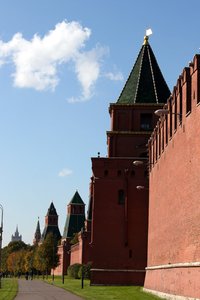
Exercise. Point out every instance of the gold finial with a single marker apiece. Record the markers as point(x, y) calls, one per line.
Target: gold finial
point(145, 40)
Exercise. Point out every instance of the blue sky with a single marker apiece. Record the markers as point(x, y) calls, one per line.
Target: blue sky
point(61, 64)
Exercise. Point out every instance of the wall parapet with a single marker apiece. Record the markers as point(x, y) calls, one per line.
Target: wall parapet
point(184, 100)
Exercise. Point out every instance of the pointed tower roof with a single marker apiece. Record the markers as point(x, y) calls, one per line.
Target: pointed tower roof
point(51, 223)
point(76, 199)
point(145, 83)
point(37, 231)
point(75, 216)
point(52, 211)
point(16, 236)
point(37, 235)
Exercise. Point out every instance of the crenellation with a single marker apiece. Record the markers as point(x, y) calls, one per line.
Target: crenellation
point(196, 62)
point(182, 101)
point(195, 81)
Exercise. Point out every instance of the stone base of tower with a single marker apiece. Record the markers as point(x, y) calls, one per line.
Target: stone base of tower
point(175, 282)
point(117, 277)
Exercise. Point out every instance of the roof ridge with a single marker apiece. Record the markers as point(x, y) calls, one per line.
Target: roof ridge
point(138, 81)
point(152, 73)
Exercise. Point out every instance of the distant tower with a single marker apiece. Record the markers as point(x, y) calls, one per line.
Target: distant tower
point(74, 223)
point(51, 223)
point(16, 237)
point(37, 235)
point(75, 216)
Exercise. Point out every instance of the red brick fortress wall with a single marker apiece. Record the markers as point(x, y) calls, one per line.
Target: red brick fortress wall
point(174, 207)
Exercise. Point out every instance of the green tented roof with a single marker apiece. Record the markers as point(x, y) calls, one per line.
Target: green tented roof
point(51, 229)
point(76, 199)
point(145, 83)
point(51, 211)
point(73, 224)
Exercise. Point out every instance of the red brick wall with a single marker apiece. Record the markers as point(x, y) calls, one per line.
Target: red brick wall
point(80, 252)
point(76, 255)
point(174, 210)
point(64, 259)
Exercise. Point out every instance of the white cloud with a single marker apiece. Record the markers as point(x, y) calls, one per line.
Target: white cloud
point(37, 60)
point(65, 172)
point(114, 76)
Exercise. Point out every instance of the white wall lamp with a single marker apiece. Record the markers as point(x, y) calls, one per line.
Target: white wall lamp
point(164, 112)
point(141, 187)
point(138, 163)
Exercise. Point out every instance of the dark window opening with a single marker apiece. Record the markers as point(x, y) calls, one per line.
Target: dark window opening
point(121, 197)
point(119, 173)
point(146, 122)
point(106, 173)
point(144, 154)
point(132, 173)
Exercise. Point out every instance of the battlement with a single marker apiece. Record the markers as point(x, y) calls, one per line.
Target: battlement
point(181, 105)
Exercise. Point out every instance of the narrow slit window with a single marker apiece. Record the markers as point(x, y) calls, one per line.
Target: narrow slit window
point(121, 197)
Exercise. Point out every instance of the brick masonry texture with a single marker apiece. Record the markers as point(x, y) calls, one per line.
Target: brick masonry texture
point(174, 210)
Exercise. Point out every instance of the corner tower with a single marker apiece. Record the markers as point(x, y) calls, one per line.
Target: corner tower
point(118, 210)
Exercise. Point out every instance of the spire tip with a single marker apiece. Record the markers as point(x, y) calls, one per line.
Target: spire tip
point(146, 37)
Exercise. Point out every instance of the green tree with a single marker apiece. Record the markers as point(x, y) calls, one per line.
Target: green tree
point(15, 262)
point(13, 247)
point(46, 256)
point(16, 246)
point(28, 260)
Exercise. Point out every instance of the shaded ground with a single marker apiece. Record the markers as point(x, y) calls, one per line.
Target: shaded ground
point(39, 290)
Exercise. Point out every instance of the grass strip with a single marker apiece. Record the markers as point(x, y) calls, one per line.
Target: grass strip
point(101, 292)
point(9, 288)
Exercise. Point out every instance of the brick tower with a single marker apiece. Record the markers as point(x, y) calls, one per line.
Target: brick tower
point(51, 223)
point(118, 211)
point(74, 223)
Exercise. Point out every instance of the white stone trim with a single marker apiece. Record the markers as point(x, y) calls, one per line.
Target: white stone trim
point(177, 265)
point(168, 296)
point(118, 270)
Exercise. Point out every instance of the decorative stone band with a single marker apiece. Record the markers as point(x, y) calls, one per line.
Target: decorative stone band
point(118, 270)
point(177, 265)
point(168, 296)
